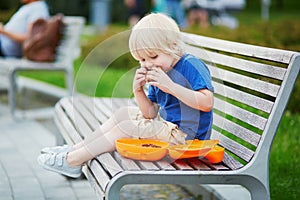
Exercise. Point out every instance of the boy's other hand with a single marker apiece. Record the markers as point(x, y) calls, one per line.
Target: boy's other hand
point(139, 79)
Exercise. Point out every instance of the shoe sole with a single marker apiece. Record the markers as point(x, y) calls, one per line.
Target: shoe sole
point(58, 171)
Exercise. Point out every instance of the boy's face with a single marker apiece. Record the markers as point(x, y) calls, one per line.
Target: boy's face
point(157, 59)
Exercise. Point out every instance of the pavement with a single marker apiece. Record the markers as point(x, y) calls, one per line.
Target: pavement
point(21, 178)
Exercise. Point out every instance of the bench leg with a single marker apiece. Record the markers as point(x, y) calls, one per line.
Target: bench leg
point(12, 92)
point(258, 191)
point(259, 195)
point(69, 80)
point(60, 141)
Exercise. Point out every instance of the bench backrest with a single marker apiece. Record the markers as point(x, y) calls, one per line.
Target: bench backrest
point(68, 48)
point(252, 87)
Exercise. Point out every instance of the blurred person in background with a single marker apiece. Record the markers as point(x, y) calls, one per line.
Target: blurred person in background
point(136, 10)
point(196, 14)
point(18, 28)
point(159, 6)
point(177, 12)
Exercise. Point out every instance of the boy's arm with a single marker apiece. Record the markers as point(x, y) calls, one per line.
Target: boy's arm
point(147, 107)
point(201, 100)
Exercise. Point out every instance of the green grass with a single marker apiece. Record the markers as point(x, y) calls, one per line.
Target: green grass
point(284, 160)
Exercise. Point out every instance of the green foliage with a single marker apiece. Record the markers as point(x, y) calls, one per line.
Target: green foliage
point(284, 160)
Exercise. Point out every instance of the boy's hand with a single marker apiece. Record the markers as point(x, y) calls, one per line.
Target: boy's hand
point(139, 79)
point(160, 79)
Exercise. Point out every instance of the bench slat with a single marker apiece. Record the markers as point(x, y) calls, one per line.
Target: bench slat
point(146, 165)
point(238, 63)
point(243, 97)
point(237, 130)
point(164, 165)
point(76, 117)
point(109, 163)
point(93, 182)
point(244, 81)
point(282, 56)
point(239, 113)
point(216, 166)
point(127, 164)
point(232, 146)
point(66, 47)
point(66, 127)
point(231, 162)
point(99, 115)
point(99, 173)
point(104, 104)
point(85, 112)
point(181, 165)
point(197, 164)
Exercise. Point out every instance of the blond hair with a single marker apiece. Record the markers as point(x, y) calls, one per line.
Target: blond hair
point(155, 33)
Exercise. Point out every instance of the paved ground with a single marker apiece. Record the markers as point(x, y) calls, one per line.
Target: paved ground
point(21, 177)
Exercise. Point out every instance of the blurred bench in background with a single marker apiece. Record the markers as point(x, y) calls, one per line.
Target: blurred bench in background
point(68, 50)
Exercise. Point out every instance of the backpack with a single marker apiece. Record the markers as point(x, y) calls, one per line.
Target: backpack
point(44, 38)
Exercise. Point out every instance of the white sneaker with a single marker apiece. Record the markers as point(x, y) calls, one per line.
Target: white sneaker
point(57, 149)
point(57, 163)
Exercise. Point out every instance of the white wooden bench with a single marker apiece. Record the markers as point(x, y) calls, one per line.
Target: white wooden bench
point(68, 50)
point(252, 88)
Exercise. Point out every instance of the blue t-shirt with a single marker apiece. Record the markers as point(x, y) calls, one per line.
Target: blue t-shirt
point(192, 73)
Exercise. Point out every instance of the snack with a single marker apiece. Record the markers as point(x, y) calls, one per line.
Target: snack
point(151, 145)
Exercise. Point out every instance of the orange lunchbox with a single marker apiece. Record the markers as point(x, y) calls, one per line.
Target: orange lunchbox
point(216, 154)
point(192, 148)
point(142, 149)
